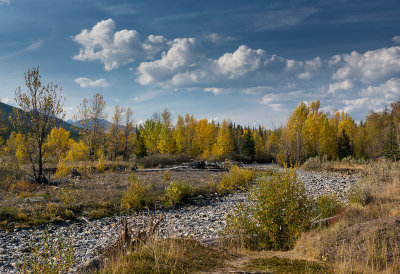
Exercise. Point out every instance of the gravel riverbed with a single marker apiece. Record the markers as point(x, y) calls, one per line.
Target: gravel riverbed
point(203, 220)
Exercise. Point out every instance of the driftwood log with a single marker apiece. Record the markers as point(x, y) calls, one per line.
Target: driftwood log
point(193, 165)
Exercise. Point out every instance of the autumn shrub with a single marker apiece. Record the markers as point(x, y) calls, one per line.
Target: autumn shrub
point(237, 178)
point(277, 211)
point(177, 193)
point(101, 163)
point(68, 196)
point(9, 174)
point(315, 163)
point(167, 175)
point(23, 187)
point(63, 169)
point(327, 206)
point(138, 195)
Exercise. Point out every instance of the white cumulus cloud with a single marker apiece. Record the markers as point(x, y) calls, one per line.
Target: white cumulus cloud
point(185, 65)
point(396, 39)
point(304, 76)
point(115, 48)
point(89, 83)
point(369, 67)
point(345, 85)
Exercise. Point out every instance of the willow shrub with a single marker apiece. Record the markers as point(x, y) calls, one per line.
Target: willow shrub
point(138, 195)
point(276, 213)
point(237, 178)
point(177, 193)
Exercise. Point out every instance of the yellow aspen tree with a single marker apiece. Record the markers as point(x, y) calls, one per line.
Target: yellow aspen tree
point(312, 129)
point(206, 136)
point(223, 146)
point(79, 151)
point(328, 140)
point(113, 133)
point(166, 142)
point(292, 141)
point(179, 134)
point(57, 144)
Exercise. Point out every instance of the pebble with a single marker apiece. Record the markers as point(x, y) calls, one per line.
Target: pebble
point(203, 219)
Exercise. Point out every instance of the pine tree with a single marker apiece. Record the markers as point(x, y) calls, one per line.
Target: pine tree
point(248, 144)
point(345, 148)
point(391, 147)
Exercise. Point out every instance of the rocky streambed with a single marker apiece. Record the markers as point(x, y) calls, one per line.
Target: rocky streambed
point(203, 220)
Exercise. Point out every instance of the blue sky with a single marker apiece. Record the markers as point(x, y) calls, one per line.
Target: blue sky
point(249, 61)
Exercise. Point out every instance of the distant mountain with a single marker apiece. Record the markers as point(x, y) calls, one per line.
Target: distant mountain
point(106, 124)
point(7, 110)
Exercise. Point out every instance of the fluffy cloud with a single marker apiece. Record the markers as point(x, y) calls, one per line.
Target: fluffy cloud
point(115, 48)
point(5, 100)
point(2, 2)
point(89, 83)
point(375, 97)
point(185, 65)
point(369, 67)
point(276, 101)
point(217, 91)
point(345, 85)
point(304, 76)
point(396, 39)
point(389, 90)
point(217, 39)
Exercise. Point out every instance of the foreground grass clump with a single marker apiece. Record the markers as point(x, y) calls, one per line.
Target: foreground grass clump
point(285, 265)
point(178, 192)
point(168, 256)
point(237, 178)
point(138, 195)
point(277, 213)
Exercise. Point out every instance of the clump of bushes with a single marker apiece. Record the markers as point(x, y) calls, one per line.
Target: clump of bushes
point(316, 163)
point(63, 169)
point(277, 212)
point(178, 192)
point(327, 206)
point(138, 195)
point(237, 178)
point(377, 177)
point(9, 174)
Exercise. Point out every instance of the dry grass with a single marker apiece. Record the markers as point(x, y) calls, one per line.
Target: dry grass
point(367, 238)
point(168, 256)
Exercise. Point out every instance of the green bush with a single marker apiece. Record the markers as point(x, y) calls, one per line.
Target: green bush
point(237, 178)
point(327, 206)
point(138, 195)
point(277, 211)
point(9, 174)
point(177, 193)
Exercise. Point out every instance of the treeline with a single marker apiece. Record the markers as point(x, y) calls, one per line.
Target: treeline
point(309, 132)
